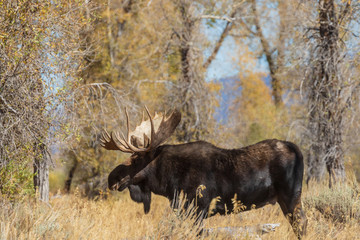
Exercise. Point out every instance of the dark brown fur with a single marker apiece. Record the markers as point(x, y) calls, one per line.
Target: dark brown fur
point(267, 172)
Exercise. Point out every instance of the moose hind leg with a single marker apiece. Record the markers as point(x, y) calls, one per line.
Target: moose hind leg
point(299, 220)
point(292, 209)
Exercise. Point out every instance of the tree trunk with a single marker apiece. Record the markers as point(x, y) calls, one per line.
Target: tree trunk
point(110, 36)
point(71, 174)
point(315, 159)
point(329, 35)
point(219, 43)
point(273, 65)
point(315, 164)
point(327, 100)
point(41, 173)
point(187, 77)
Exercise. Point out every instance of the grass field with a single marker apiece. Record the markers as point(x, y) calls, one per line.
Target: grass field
point(332, 214)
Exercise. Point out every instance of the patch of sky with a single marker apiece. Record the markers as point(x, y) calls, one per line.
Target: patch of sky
point(353, 41)
point(229, 92)
point(224, 69)
point(223, 65)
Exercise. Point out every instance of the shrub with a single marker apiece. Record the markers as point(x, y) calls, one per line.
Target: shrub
point(339, 204)
point(179, 223)
point(16, 180)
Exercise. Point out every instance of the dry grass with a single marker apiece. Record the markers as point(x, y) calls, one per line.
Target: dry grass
point(74, 217)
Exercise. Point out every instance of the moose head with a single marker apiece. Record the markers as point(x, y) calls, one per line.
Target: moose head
point(142, 143)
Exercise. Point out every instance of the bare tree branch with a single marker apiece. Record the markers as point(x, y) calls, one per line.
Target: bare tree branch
point(228, 19)
point(218, 44)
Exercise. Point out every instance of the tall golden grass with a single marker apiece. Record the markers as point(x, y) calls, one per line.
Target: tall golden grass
point(118, 217)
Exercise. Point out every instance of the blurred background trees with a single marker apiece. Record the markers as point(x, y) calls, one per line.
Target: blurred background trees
point(40, 57)
point(68, 70)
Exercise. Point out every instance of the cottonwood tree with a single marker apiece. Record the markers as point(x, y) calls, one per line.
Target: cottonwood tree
point(263, 33)
point(129, 56)
point(192, 90)
point(267, 28)
point(38, 50)
point(330, 86)
point(119, 58)
point(252, 114)
point(193, 95)
point(92, 108)
point(159, 59)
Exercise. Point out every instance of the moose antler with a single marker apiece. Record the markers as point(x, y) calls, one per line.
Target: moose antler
point(108, 142)
point(158, 128)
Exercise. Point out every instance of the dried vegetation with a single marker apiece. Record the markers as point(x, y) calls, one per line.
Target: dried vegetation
point(332, 214)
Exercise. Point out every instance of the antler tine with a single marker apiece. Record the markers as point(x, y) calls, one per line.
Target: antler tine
point(165, 128)
point(123, 141)
point(109, 142)
point(130, 146)
point(128, 124)
point(163, 117)
point(120, 140)
point(146, 140)
point(102, 140)
point(105, 136)
point(152, 126)
point(121, 147)
point(170, 115)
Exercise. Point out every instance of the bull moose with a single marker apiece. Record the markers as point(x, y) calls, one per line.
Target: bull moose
point(267, 172)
